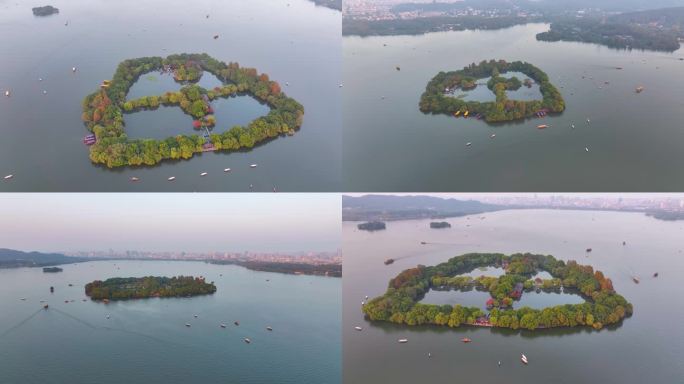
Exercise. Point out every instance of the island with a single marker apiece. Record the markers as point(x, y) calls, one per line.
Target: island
point(439, 224)
point(104, 110)
point(316, 269)
point(438, 96)
point(372, 226)
point(401, 303)
point(123, 288)
point(46, 10)
point(52, 269)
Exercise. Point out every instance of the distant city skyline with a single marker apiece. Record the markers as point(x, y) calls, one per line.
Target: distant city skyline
point(278, 223)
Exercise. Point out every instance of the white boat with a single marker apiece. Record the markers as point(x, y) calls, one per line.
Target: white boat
point(223, 325)
point(340, 85)
point(73, 69)
point(8, 177)
point(7, 93)
point(247, 340)
point(358, 328)
point(468, 144)
point(572, 126)
point(363, 303)
point(493, 135)
point(187, 324)
point(586, 149)
point(269, 328)
point(402, 341)
point(253, 165)
point(366, 297)
point(203, 174)
point(523, 358)
point(134, 179)
point(44, 92)
point(226, 169)
point(172, 178)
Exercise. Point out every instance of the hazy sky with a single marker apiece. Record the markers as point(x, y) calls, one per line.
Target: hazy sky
point(170, 222)
point(477, 196)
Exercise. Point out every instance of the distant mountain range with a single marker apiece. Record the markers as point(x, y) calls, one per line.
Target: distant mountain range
point(387, 207)
point(10, 258)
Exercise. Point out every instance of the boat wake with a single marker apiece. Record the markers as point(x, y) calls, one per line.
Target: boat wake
point(19, 324)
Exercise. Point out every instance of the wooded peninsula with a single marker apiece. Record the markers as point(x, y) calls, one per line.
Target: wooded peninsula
point(437, 97)
point(123, 288)
point(400, 304)
point(103, 111)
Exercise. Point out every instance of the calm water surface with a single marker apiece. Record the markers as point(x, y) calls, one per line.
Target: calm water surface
point(634, 140)
point(41, 135)
point(643, 349)
point(146, 341)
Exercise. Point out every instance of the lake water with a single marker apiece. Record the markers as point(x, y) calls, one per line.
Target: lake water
point(634, 140)
point(482, 93)
point(147, 341)
point(645, 348)
point(41, 135)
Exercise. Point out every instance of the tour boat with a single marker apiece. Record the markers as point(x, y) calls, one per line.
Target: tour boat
point(134, 179)
point(402, 341)
point(466, 340)
point(187, 324)
point(358, 328)
point(252, 165)
point(247, 340)
point(468, 144)
point(226, 169)
point(8, 177)
point(223, 325)
point(542, 126)
point(523, 358)
point(269, 328)
point(172, 178)
point(203, 174)
point(7, 93)
point(236, 323)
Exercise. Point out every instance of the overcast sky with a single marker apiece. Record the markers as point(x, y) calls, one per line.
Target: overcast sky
point(170, 222)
